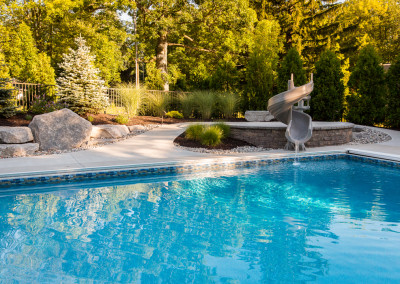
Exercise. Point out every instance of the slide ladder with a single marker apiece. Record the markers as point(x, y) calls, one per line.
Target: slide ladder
point(299, 124)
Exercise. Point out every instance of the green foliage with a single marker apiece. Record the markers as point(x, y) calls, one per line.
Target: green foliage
point(393, 84)
point(174, 114)
point(291, 64)
point(194, 131)
point(367, 89)
point(228, 104)
point(80, 86)
point(28, 117)
point(205, 103)
point(156, 103)
point(211, 136)
point(121, 119)
point(188, 104)
point(131, 98)
point(261, 68)
point(327, 99)
point(7, 99)
point(42, 104)
point(226, 129)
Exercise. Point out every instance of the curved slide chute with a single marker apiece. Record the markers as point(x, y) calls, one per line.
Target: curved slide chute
point(299, 124)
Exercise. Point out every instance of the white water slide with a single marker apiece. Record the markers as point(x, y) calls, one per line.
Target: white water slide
point(299, 124)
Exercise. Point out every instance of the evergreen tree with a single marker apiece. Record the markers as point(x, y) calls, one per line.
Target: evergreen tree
point(327, 99)
point(393, 84)
point(292, 63)
point(7, 100)
point(367, 89)
point(80, 86)
point(261, 69)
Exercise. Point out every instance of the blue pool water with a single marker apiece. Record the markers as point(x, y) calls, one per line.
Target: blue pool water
point(326, 221)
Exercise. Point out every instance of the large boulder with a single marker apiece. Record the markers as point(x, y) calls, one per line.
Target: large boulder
point(60, 130)
point(105, 131)
point(18, 150)
point(15, 135)
point(258, 115)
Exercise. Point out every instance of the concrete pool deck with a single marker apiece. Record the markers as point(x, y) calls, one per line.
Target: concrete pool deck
point(156, 146)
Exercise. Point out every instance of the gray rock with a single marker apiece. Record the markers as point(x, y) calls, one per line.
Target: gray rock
point(105, 131)
point(15, 135)
point(60, 130)
point(137, 128)
point(255, 115)
point(18, 150)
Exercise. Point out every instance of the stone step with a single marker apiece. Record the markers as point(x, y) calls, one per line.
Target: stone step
point(18, 150)
point(15, 135)
point(105, 131)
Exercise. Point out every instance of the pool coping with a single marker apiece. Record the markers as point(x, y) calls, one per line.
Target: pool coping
point(190, 166)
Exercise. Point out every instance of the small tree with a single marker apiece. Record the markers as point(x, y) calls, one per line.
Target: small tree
point(7, 100)
point(80, 86)
point(261, 69)
point(367, 89)
point(291, 63)
point(393, 84)
point(327, 99)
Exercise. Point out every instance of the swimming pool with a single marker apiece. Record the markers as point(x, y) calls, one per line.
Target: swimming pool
point(325, 221)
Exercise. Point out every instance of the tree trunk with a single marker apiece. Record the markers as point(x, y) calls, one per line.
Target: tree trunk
point(162, 57)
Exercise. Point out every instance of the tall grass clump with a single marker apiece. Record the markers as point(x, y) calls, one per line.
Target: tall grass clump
point(211, 136)
point(156, 103)
point(194, 131)
point(131, 98)
point(228, 104)
point(226, 129)
point(188, 104)
point(205, 103)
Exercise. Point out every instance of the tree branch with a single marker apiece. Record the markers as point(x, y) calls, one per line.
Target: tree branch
point(191, 47)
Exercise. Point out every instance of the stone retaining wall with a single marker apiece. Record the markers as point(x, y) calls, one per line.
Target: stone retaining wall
point(274, 137)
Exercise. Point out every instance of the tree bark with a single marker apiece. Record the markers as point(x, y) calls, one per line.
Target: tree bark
point(162, 57)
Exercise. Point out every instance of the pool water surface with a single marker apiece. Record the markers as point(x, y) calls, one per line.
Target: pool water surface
point(323, 221)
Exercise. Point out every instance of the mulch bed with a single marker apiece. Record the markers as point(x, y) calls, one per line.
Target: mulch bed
point(227, 143)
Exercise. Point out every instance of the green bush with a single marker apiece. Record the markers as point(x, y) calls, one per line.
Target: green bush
point(90, 118)
point(131, 98)
point(188, 104)
point(174, 114)
point(122, 119)
point(211, 136)
point(327, 99)
point(205, 103)
point(226, 129)
point(28, 117)
point(393, 84)
point(367, 89)
point(41, 104)
point(194, 131)
point(291, 64)
point(156, 103)
point(228, 104)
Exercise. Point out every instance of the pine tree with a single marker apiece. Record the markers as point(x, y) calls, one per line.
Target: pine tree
point(7, 100)
point(292, 63)
point(327, 99)
point(80, 86)
point(367, 89)
point(393, 84)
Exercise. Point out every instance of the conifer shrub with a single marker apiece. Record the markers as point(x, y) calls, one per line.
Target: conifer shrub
point(291, 64)
point(194, 132)
point(393, 85)
point(80, 85)
point(226, 129)
point(366, 101)
point(327, 98)
point(211, 136)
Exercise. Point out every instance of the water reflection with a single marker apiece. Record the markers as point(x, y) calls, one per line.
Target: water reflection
point(276, 224)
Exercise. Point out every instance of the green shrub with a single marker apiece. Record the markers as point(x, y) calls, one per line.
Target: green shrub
point(121, 119)
point(226, 129)
point(90, 118)
point(194, 131)
point(291, 63)
point(228, 103)
point(174, 114)
point(188, 104)
point(41, 104)
point(156, 103)
point(367, 89)
point(205, 103)
point(28, 117)
point(131, 98)
point(393, 84)
point(327, 99)
point(211, 136)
